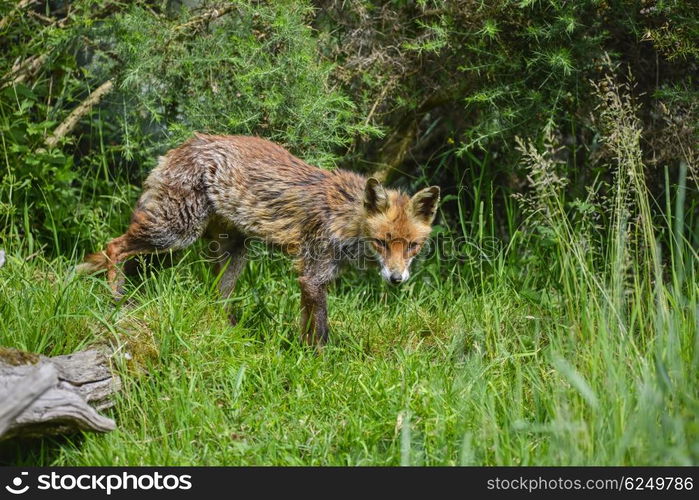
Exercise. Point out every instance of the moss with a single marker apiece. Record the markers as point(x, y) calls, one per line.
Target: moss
point(15, 357)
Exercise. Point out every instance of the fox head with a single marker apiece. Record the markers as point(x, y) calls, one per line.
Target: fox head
point(396, 226)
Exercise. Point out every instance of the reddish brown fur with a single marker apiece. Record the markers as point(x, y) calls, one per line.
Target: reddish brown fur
point(246, 186)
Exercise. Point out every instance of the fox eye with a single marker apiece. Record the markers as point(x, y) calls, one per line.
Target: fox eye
point(381, 243)
point(412, 246)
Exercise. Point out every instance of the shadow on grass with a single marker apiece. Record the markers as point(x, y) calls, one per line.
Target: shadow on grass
point(32, 452)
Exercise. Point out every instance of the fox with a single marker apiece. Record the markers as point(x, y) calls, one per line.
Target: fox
point(227, 188)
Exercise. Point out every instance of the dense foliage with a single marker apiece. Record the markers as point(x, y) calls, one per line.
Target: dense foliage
point(405, 89)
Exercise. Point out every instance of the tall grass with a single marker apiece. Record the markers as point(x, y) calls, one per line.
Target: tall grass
point(630, 355)
point(575, 343)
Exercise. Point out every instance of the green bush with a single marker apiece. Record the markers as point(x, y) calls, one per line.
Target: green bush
point(247, 68)
point(416, 92)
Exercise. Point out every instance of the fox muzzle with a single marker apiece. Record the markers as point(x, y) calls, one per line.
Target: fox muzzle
point(395, 277)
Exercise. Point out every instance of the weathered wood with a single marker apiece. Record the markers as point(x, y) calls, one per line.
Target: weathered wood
point(40, 395)
point(26, 390)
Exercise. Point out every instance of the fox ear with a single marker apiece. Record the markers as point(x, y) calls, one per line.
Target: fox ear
point(424, 204)
point(375, 197)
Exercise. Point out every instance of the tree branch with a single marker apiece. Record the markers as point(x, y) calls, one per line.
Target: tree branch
point(74, 117)
point(20, 6)
point(22, 70)
point(206, 17)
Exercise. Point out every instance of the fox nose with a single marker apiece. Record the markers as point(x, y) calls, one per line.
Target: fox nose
point(396, 278)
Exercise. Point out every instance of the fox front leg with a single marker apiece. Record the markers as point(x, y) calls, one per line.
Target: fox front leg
point(314, 312)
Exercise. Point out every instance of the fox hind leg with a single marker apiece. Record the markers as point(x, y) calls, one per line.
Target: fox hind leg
point(118, 250)
point(149, 233)
point(230, 254)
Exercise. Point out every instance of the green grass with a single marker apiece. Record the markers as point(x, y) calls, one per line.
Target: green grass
point(571, 341)
point(476, 367)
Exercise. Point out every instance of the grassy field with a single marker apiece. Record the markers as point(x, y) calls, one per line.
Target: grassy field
point(555, 325)
point(513, 359)
point(564, 333)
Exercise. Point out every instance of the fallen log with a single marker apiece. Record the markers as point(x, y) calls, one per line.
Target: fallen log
point(43, 396)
